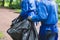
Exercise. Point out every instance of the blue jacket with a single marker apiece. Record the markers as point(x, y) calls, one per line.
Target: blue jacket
point(47, 13)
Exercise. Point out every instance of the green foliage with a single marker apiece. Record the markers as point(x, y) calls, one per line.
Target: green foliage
point(59, 9)
point(15, 4)
point(0, 3)
point(58, 2)
point(6, 4)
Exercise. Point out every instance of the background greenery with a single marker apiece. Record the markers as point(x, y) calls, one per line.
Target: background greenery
point(58, 2)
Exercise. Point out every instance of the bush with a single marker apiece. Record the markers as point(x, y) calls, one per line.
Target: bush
point(58, 2)
point(59, 9)
point(15, 6)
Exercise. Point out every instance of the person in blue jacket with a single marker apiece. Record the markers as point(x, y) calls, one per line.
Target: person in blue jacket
point(47, 14)
point(44, 11)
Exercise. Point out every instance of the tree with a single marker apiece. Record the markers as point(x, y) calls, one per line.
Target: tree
point(3, 3)
point(10, 3)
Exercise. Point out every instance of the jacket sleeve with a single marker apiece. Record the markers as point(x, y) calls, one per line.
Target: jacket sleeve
point(42, 13)
point(28, 6)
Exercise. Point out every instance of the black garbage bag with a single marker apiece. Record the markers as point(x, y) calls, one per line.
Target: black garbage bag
point(23, 30)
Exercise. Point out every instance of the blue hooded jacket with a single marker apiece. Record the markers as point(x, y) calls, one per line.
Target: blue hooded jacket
point(41, 10)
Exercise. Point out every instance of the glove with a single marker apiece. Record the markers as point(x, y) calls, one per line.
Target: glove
point(29, 18)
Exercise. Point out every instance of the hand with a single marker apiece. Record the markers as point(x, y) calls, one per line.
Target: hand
point(30, 18)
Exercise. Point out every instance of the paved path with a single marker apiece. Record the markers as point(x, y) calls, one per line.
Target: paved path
point(6, 16)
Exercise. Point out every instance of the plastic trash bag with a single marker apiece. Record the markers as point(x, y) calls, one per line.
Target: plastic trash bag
point(23, 30)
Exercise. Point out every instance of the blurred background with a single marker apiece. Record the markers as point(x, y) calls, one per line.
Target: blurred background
point(9, 9)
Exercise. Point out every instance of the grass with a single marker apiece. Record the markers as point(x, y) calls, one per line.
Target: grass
point(1, 35)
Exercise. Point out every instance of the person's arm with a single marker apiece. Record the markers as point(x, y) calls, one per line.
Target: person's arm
point(42, 13)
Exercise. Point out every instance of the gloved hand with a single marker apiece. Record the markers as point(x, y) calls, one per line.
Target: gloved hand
point(30, 15)
point(29, 18)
